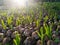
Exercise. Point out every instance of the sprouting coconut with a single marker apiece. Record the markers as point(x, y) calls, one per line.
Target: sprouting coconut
point(28, 41)
point(1, 36)
point(53, 36)
point(9, 32)
point(50, 42)
point(22, 30)
point(0, 28)
point(13, 34)
point(46, 38)
point(39, 42)
point(35, 35)
point(4, 31)
point(6, 40)
point(34, 25)
point(27, 32)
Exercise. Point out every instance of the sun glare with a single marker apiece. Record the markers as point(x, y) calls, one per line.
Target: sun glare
point(20, 2)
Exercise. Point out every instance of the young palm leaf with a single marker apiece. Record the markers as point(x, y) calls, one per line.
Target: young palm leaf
point(3, 24)
point(48, 30)
point(41, 34)
point(17, 39)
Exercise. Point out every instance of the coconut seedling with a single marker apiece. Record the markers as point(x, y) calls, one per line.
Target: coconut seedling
point(3, 24)
point(50, 42)
point(17, 39)
point(0, 28)
point(41, 35)
point(35, 35)
point(1, 38)
point(18, 21)
point(28, 41)
point(29, 19)
point(46, 18)
point(6, 41)
point(37, 23)
point(9, 21)
point(48, 30)
point(26, 20)
point(38, 42)
point(22, 19)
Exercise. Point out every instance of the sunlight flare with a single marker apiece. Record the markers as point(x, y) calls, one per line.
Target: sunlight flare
point(19, 2)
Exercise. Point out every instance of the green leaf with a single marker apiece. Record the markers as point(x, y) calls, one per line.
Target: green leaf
point(3, 24)
point(15, 42)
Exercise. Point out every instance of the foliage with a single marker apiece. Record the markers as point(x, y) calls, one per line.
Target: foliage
point(41, 34)
point(48, 30)
point(3, 24)
point(17, 21)
point(17, 39)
